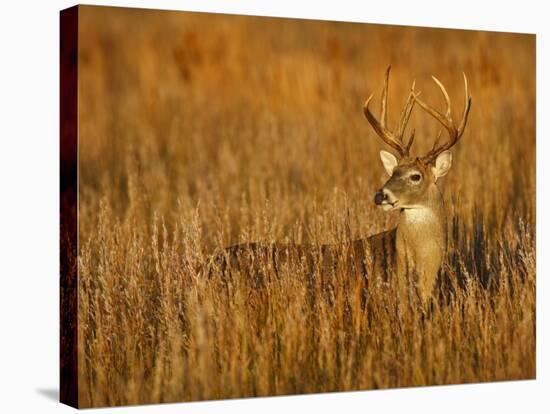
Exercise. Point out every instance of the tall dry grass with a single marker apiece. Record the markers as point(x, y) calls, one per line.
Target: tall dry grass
point(203, 131)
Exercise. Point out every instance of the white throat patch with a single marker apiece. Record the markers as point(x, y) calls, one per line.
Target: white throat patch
point(419, 215)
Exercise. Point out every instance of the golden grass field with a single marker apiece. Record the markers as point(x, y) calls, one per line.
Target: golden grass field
point(201, 131)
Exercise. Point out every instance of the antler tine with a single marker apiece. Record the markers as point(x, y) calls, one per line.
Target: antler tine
point(467, 105)
point(406, 112)
point(410, 142)
point(437, 138)
point(445, 95)
point(384, 103)
point(393, 139)
point(381, 130)
point(446, 120)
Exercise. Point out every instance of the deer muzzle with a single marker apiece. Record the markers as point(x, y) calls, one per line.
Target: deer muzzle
point(380, 197)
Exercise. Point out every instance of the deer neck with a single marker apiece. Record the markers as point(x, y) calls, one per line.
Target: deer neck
point(421, 231)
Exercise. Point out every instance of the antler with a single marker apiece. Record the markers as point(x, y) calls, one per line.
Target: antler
point(446, 120)
point(393, 138)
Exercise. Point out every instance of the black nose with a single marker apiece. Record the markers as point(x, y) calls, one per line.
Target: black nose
point(379, 197)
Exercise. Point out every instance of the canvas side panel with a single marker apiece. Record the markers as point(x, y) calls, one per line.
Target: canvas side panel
point(68, 205)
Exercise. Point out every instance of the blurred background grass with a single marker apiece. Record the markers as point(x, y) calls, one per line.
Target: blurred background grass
point(198, 131)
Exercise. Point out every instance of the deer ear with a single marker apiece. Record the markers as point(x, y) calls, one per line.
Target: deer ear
point(443, 164)
point(389, 161)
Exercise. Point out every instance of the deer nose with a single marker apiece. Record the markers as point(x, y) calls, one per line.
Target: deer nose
point(379, 197)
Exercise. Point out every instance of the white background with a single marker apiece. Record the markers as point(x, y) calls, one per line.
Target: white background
point(29, 159)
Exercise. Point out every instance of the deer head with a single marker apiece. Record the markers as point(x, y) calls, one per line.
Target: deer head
point(412, 180)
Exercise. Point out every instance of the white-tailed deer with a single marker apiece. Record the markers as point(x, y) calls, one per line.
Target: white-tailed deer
point(420, 238)
point(413, 251)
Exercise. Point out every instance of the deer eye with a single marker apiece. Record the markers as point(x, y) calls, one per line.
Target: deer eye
point(415, 177)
